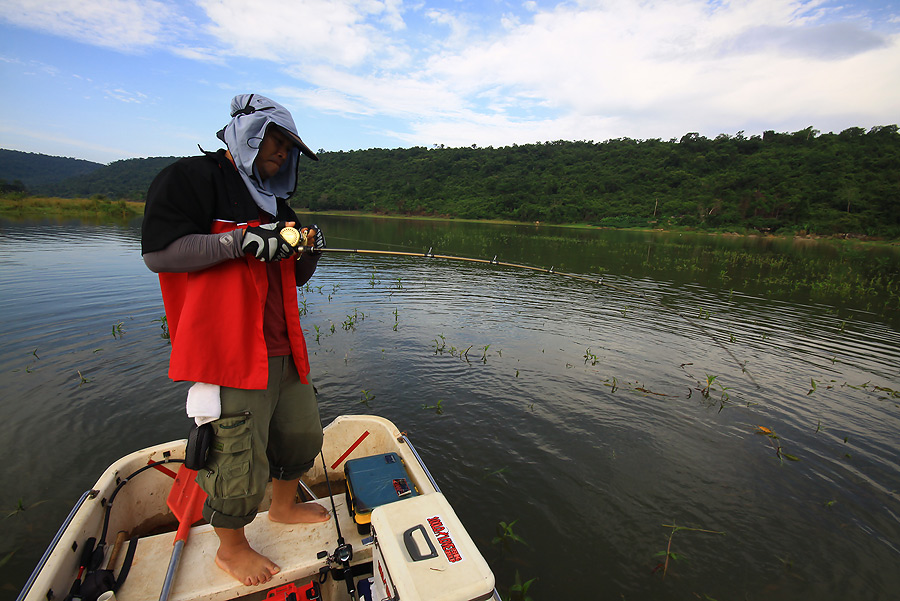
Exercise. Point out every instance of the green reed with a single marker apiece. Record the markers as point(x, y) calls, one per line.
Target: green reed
point(439, 408)
point(669, 554)
point(118, 329)
point(367, 397)
point(506, 536)
point(164, 326)
point(519, 590)
point(776, 444)
point(857, 276)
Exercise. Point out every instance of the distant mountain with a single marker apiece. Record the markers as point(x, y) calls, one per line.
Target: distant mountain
point(35, 170)
point(127, 179)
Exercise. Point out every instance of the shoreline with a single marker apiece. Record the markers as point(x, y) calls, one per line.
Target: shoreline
point(842, 237)
point(31, 207)
point(36, 207)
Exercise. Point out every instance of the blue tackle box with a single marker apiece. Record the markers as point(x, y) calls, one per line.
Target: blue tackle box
point(373, 481)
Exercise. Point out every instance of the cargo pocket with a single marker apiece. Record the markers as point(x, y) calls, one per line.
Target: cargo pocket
point(229, 462)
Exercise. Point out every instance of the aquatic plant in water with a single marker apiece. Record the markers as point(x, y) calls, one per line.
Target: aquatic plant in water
point(21, 507)
point(776, 443)
point(118, 329)
point(506, 536)
point(671, 555)
point(440, 346)
point(519, 590)
point(367, 396)
point(164, 326)
point(437, 408)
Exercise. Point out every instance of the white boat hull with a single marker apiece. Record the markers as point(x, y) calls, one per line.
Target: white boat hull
point(140, 508)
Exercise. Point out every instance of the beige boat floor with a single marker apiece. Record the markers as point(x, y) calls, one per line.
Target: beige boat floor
point(292, 546)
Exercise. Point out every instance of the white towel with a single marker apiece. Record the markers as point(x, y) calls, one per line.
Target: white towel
point(204, 403)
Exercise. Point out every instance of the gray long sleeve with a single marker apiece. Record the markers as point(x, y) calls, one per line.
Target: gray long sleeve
point(195, 252)
point(199, 251)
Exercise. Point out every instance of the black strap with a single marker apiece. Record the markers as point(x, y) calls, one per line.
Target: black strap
point(249, 110)
point(126, 563)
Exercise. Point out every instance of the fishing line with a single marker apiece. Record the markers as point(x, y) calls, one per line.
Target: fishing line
point(352, 240)
point(551, 270)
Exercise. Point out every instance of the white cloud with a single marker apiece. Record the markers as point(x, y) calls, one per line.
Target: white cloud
point(456, 24)
point(394, 95)
point(338, 32)
point(119, 24)
point(598, 70)
point(582, 69)
point(207, 55)
point(826, 42)
point(645, 66)
point(125, 96)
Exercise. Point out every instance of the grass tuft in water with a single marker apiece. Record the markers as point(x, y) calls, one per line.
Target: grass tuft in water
point(671, 555)
point(519, 590)
point(164, 326)
point(506, 536)
point(366, 398)
point(776, 443)
point(21, 508)
point(439, 409)
point(118, 329)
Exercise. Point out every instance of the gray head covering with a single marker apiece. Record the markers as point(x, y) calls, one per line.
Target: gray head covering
point(251, 116)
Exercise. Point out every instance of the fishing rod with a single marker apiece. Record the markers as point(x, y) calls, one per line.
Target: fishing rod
point(344, 551)
point(431, 255)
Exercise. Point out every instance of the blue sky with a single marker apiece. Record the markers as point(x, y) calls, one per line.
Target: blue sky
point(113, 79)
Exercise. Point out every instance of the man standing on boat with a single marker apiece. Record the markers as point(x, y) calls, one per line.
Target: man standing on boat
point(212, 230)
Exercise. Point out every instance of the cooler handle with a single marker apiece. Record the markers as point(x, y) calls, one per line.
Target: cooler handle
point(413, 548)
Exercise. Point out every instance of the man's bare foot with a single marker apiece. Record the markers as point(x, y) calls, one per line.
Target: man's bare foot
point(285, 509)
point(299, 513)
point(236, 557)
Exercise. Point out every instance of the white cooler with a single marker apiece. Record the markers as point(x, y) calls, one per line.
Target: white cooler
point(423, 553)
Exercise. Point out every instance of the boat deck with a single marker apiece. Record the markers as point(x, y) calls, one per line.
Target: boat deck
point(141, 510)
point(294, 547)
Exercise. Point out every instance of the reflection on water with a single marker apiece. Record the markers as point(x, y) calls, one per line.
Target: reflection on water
point(589, 415)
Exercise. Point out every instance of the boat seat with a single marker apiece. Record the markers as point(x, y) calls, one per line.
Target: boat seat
point(294, 547)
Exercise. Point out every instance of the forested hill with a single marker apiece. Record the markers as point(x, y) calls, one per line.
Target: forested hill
point(802, 181)
point(29, 170)
point(126, 179)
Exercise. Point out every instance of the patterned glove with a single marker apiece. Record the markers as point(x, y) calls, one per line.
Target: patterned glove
point(265, 243)
point(319, 243)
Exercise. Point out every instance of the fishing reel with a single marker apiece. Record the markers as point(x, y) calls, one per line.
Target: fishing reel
point(338, 565)
point(337, 562)
point(344, 553)
point(340, 557)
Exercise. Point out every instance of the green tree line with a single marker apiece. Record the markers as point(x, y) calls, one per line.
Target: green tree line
point(803, 181)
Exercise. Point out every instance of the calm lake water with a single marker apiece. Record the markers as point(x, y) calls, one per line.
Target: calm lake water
point(592, 417)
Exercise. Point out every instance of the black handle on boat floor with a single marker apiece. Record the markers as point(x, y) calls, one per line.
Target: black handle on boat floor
point(413, 548)
point(86, 553)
